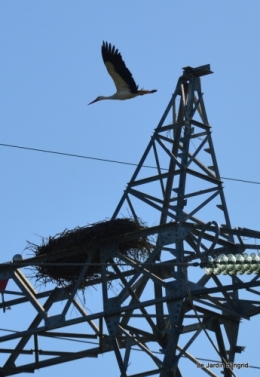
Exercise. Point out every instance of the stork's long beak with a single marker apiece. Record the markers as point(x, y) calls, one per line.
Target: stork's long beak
point(95, 100)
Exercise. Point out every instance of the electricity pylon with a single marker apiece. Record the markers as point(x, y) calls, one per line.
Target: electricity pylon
point(162, 305)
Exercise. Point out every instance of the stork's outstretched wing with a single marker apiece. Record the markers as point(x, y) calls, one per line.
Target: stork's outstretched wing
point(117, 69)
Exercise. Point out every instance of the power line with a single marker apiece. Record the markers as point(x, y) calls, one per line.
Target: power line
point(75, 155)
point(108, 160)
point(241, 180)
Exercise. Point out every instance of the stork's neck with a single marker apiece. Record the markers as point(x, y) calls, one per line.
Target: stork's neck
point(114, 96)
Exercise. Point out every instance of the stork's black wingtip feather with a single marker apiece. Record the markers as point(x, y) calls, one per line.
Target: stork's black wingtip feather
point(111, 54)
point(105, 46)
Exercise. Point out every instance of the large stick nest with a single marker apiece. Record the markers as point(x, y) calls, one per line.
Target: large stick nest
point(82, 239)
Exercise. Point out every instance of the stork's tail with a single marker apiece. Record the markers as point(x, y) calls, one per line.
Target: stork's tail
point(142, 92)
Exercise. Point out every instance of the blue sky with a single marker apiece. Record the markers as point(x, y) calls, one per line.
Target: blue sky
point(51, 68)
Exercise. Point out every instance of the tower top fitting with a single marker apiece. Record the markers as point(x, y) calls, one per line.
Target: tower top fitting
point(198, 71)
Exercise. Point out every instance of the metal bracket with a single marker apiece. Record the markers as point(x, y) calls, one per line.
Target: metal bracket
point(173, 236)
point(54, 321)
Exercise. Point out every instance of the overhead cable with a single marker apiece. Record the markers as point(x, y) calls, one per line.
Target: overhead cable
point(108, 160)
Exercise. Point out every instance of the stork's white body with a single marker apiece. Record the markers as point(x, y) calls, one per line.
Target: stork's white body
point(122, 77)
point(120, 95)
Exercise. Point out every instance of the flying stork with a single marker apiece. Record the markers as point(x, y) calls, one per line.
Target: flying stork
point(122, 77)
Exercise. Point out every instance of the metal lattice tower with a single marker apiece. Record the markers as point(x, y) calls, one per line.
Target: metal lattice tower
point(167, 302)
